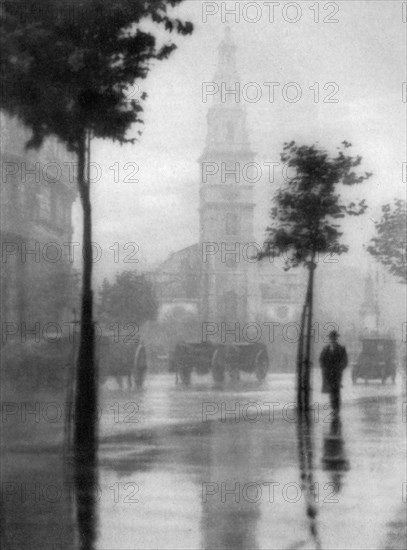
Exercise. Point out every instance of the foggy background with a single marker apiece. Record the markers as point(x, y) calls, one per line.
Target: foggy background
point(361, 54)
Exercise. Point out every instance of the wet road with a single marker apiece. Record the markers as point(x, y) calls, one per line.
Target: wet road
point(205, 468)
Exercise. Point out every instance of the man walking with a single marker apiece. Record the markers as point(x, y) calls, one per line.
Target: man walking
point(333, 361)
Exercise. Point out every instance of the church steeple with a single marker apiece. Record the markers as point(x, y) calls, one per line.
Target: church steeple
point(227, 128)
point(227, 71)
point(226, 196)
point(369, 310)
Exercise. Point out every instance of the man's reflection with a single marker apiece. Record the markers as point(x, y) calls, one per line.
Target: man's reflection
point(334, 458)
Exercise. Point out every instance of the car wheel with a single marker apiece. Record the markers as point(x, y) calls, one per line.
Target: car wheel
point(261, 369)
point(185, 375)
point(384, 376)
point(218, 374)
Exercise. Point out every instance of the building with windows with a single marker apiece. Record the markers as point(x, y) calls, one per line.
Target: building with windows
point(38, 189)
point(219, 282)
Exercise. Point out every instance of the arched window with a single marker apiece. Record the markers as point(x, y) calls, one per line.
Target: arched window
point(230, 131)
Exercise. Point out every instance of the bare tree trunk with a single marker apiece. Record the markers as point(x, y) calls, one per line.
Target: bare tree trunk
point(307, 359)
point(304, 344)
point(304, 425)
point(300, 355)
point(85, 442)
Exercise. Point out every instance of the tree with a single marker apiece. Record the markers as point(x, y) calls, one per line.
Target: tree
point(66, 68)
point(389, 244)
point(304, 224)
point(129, 299)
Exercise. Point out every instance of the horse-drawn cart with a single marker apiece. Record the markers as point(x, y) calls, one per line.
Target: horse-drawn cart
point(219, 359)
point(189, 356)
point(243, 357)
point(121, 360)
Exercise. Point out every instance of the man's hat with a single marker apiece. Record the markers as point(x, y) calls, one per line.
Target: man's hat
point(333, 334)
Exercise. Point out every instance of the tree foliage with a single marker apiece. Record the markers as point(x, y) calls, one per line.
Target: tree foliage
point(129, 299)
point(388, 246)
point(304, 223)
point(67, 66)
point(308, 207)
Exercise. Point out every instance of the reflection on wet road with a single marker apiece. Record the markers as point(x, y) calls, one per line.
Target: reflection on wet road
point(205, 468)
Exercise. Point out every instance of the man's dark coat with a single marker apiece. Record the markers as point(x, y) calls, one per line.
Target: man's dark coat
point(333, 361)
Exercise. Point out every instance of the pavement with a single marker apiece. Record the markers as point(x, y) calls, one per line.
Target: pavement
point(185, 468)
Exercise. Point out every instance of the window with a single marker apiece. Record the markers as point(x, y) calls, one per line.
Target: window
point(231, 223)
point(231, 262)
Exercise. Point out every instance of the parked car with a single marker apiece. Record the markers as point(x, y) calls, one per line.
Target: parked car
point(377, 360)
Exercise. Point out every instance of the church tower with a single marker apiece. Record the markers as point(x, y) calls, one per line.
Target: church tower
point(226, 199)
point(369, 311)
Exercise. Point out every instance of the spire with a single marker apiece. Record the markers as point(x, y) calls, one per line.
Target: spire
point(369, 310)
point(227, 131)
point(226, 71)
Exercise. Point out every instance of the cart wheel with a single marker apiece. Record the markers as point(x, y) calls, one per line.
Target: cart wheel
point(218, 374)
point(185, 375)
point(218, 370)
point(384, 376)
point(261, 367)
point(140, 367)
point(139, 378)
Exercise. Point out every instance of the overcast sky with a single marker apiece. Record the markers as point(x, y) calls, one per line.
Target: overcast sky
point(364, 54)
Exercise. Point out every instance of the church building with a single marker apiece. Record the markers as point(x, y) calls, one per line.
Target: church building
point(218, 285)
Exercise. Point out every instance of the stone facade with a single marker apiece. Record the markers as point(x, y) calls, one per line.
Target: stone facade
point(38, 189)
point(219, 281)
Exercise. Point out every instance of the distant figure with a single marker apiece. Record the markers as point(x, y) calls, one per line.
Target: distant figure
point(333, 361)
